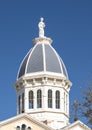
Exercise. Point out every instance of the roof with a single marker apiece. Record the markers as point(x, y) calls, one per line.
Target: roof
point(42, 58)
point(23, 119)
point(77, 125)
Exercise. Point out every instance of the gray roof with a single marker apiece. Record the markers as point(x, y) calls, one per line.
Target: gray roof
point(42, 58)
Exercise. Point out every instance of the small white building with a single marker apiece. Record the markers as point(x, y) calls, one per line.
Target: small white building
point(42, 88)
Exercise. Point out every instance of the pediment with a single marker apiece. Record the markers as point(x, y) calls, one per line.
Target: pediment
point(19, 120)
point(78, 125)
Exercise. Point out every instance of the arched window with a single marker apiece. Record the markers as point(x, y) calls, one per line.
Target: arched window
point(23, 127)
point(49, 98)
point(22, 102)
point(18, 128)
point(29, 128)
point(57, 98)
point(66, 103)
point(19, 101)
point(31, 99)
point(39, 99)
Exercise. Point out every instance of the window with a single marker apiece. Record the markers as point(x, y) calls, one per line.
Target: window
point(57, 98)
point(66, 103)
point(49, 98)
point(18, 128)
point(23, 127)
point(22, 102)
point(31, 99)
point(19, 100)
point(29, 128)
point(39, 99)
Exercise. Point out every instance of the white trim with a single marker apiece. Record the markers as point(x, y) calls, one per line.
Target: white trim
point(25, 116)
point(77, 123)
point(29, 58)
point(22, 63)
point(44, 58)
point(58, 57)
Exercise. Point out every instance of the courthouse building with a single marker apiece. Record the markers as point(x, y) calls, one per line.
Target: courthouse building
point(42, 88)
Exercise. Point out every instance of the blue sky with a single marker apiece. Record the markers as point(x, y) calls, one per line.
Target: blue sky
point(68, 23)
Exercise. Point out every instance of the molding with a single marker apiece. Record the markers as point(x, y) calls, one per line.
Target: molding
point(42, 40)
point(25, 116)
point(43, 79)
point(76, 123)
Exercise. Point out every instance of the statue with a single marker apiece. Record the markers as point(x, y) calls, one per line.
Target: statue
point(41, 26)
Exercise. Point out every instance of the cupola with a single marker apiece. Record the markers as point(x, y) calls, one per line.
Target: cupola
point(43, 84)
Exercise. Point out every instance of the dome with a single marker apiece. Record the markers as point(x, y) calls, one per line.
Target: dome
point(42, 58)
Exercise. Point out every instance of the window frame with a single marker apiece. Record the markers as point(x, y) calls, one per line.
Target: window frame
point(57, 99)
point(49, 98)
point(23, 127)
point(22, 102)
point(39, 98)
point(19, 104)
point(31, 99)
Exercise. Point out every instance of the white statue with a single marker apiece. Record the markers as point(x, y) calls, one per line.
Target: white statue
point(41, 26)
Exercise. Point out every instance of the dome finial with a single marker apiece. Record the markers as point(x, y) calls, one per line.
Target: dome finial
point(41, 26)
point(42, 39)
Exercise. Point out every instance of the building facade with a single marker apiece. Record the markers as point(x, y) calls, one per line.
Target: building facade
point(42, 88)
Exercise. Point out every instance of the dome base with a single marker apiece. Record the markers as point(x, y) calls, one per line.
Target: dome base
point(41, 40)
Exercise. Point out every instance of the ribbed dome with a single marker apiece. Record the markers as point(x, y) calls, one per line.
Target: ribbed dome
point(42, 58)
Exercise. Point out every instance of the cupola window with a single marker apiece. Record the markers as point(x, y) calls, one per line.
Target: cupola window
point(49, 98)
point(19, 101)
point(57, 98)
point(31, 99)
point(22, 102)
point(39, 99)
